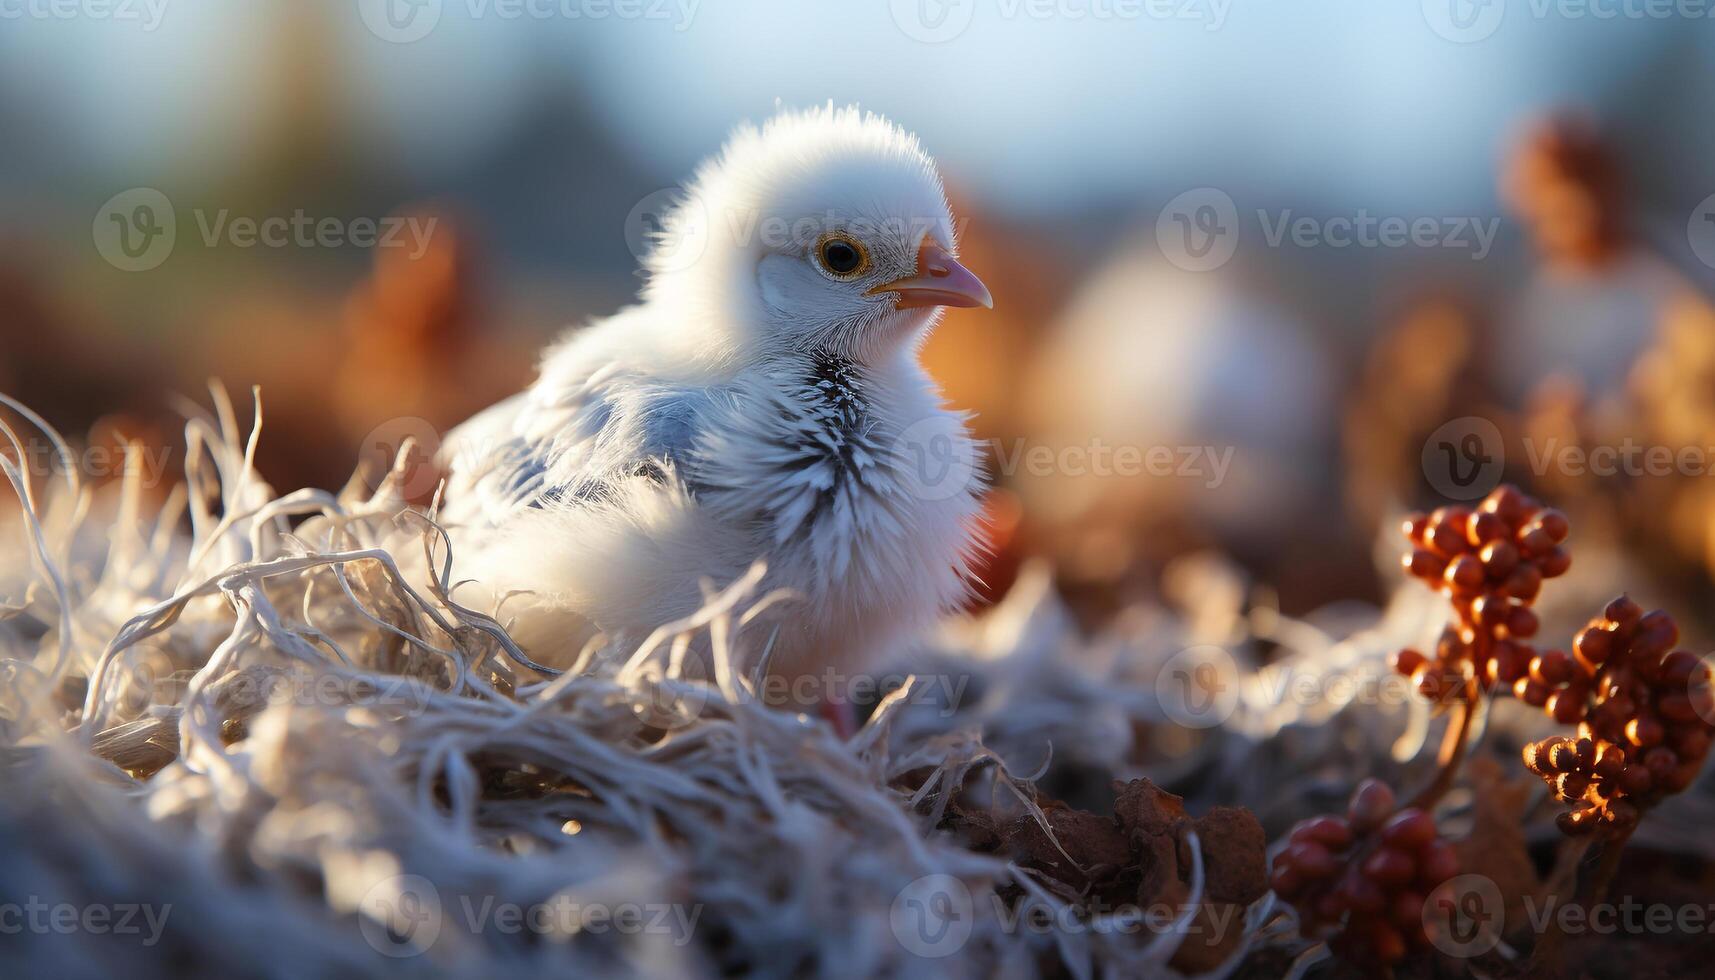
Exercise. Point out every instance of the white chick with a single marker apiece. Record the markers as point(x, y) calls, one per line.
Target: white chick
point(764, 400)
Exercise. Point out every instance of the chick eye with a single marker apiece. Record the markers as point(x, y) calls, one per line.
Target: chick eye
point(844, 257)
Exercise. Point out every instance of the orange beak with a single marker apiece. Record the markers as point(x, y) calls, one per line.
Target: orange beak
point(940, 281)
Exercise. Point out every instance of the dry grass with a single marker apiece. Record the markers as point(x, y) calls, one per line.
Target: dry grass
point(279, 732)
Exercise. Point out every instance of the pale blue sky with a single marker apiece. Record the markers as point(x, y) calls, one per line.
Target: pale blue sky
point(1291, 100)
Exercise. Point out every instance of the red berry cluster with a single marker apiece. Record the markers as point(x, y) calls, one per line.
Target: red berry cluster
point(1490, 563)
point(1361, 879)
point(1641, 735)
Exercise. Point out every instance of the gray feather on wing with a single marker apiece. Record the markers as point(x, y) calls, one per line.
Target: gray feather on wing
point(525, 453)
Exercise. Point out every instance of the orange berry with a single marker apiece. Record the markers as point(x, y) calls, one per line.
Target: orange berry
point(1414, 525)
point(1437, 863)
point(1390, 867)
point(1554, 563)
point(1622, 611)
point(1408, 829)
point(1465, 574)
point(1361, 894)
point(1535, 542)
point(1483, 526)
point(1676, 706)
point(1372, 803)
point(1594, 645)
point(1522, 622)
point(1565, 707)
point(1552, 667)
point(1331, 832)
point(1408, 662)
point(1555, 524)
point(1645, 732)
point(1425, 564)
point(1530, 692)
point(1507, 503)
point(1656, 634)
point(1407, 910)
point(1525, 583)
point(1310, 858)
point(1446, 540)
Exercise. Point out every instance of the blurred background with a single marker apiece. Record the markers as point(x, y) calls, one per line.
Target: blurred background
point(1266, 275)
